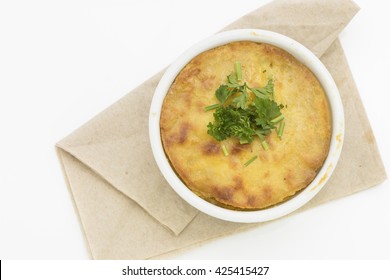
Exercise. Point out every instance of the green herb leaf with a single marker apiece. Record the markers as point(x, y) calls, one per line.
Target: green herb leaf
point(232, 80)
point(231, 122)
point(267, 91)
point(241, 100)
point(242, 120)
point(267, 110)
point(259, 94)
point(269, 88)
point(262, 133)
point(223, 93)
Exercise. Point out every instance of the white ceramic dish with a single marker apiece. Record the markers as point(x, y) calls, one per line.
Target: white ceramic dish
point(303, 55)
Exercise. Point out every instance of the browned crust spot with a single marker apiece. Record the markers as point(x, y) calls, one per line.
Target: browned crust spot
point(207, 81)
point(238, 148)
point(211, 148)
point(182, 137)
point(179, 138)
point(267, 193)
point(238, 183)
point(252, 200)
point(187, 96)
point(223, 194)
point(191, 72)
point(289, 178)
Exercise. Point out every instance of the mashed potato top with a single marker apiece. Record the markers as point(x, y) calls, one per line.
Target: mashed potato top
point(288, 166)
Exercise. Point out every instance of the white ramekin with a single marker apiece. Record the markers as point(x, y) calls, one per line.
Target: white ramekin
point(303, 55)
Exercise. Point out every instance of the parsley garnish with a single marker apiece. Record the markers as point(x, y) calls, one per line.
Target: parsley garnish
point(244, 112)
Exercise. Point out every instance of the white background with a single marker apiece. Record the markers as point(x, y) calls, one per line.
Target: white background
point(62, 62)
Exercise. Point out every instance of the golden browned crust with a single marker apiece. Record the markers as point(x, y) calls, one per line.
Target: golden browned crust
point(278, 173)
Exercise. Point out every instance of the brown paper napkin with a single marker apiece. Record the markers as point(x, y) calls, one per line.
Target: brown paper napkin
point(127, 209)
